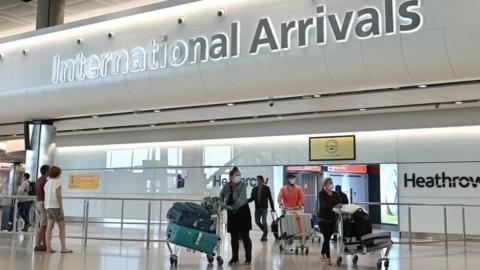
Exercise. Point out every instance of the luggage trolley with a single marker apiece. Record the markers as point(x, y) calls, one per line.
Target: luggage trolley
point(370, 243)
point(196, 239)
point(295, 230)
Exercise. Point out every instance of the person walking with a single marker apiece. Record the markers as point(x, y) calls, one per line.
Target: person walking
point(41, 244)
point(24, 204)
point(239, 219)
point(261, 195)
point(291, 195)
point(328, 200)
point(54, 206)
point(342, 197)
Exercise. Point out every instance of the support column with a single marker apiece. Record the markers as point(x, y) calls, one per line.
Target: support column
point(40, 146)
point(50, 13)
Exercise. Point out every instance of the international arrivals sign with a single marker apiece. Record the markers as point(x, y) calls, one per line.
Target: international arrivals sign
point(394, 17)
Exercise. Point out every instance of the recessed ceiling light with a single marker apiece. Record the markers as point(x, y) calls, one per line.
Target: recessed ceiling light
point(212, 121)
point(152, 126)
point(362, 109)
point(156, 111)
point(230, 104)
point(459, 102)
point(280, 117)
point(316, 96)
point(95, 116)
point(100, 129)
point(422, 86)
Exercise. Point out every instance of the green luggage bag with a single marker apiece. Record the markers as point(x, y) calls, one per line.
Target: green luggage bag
point(192, 238)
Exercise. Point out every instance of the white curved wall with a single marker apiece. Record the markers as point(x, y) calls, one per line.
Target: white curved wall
point(445, 49)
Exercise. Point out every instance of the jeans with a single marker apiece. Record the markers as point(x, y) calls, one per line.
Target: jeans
point(262, 213)
point(247, 244)
point(24, 211)
point(327, 229)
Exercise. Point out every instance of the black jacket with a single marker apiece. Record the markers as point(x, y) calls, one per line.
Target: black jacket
point(327, 203)
point(342, 198)
point(266, 196)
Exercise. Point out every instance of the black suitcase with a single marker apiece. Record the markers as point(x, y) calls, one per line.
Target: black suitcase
point(6, 218)
point(275, 221)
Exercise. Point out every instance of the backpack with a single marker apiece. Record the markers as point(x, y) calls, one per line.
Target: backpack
point(31, 189)
point(363, 224)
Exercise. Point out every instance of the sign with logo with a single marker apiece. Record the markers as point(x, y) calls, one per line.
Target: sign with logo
point(348, 168)
point(332, 148)
point(304, 168)
point(323, 27)
point(83, 181)
point(439, 180)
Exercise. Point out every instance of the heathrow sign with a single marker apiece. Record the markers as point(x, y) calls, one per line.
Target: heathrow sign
point(394, 17)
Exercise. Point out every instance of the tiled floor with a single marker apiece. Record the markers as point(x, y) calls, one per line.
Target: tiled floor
point(17, 255)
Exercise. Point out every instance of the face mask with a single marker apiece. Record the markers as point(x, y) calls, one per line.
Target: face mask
point(291, 181)
point(237, 179)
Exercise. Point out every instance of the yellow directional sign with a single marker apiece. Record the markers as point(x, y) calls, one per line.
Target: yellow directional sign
point(332, 148)
point(83, 181)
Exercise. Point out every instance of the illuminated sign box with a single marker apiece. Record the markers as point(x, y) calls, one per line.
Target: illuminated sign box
point(332, 148)
point(83, 181)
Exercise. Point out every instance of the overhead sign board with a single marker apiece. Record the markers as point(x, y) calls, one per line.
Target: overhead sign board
point(332, 148)
point(394, 17)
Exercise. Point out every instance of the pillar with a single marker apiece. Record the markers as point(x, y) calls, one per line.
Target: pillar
point(39, 146)
point(50, 13)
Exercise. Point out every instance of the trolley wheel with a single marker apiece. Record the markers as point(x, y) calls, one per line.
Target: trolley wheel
point(281, 248)
point(296, 251)
point(379, 264)
point(386, 263)
point(355, 259)
point(210, 258)
point(339, 261)
point(219, 261)
point(307, 251)
point(173, 261)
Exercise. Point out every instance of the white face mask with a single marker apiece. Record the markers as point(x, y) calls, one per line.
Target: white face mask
point(291, 181)
point(237, 179)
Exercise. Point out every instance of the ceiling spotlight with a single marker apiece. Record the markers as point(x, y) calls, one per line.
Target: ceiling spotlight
point(110, 34)
point(152, 126)
point(271, 103)
point(362, 109)
point(157, 111)
point(280, 117)
point(459, 102)
point(221, 12)
point(2, 56)
point(181, 20)
point(95, 116)
point(230, 104)
point(100, 129)
point(25, 51)
point(212, 121)
point(79, 40)
point(316, 96)
point(422, 86)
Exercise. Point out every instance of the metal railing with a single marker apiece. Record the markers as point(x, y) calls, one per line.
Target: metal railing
point(86, 220)
point(446, 238)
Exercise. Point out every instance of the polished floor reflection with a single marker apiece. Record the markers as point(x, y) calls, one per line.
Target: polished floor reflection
point(17, 255)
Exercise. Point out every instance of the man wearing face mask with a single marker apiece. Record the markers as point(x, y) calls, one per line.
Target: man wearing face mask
point(291, 195)
point(328, 200)
point(239, 219)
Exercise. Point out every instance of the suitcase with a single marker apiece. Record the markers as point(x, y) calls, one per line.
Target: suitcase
point(6, 221)
point(376, 239)
point(292, 224)
point(191, 215)
point(274, 225)
point(192, 238)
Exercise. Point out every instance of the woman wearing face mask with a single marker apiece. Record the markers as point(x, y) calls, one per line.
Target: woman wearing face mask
point(239, 219)
point(328, 200)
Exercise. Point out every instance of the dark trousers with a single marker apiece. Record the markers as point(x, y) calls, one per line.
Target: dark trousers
point(24, 211)
point(261, 213)
point(327, 229)
point(247, 244)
